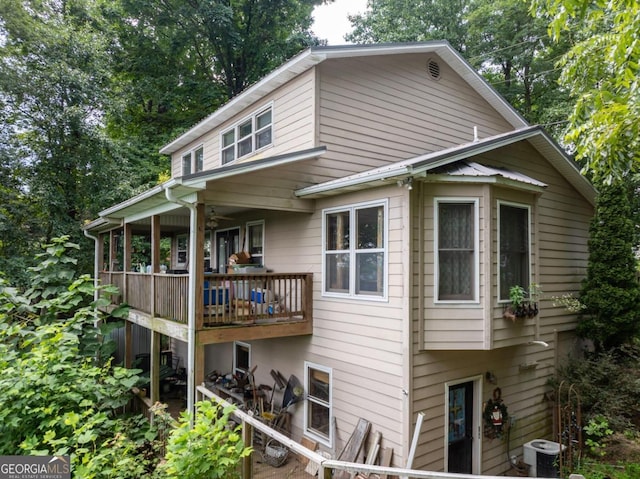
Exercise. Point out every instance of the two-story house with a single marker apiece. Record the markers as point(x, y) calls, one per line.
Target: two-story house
point(390, 200)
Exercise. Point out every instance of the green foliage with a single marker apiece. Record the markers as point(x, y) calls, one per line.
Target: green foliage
point(609, 471)
point(499, 38)
point(57, 396)
point(611, 293)
point(597, 430)
point(609, 385)
point(517, 295)
point(213, 448)
point(601, 72)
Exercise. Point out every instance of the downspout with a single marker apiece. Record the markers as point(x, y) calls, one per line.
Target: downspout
point(191, 307)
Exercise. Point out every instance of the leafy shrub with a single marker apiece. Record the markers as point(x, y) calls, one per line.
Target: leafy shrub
point(608, 384)
point(213, 448)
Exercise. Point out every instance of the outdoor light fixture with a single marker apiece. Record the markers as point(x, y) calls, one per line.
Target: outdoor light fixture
point(407, 183)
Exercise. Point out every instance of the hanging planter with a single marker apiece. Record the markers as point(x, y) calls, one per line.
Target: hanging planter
point(495, 416)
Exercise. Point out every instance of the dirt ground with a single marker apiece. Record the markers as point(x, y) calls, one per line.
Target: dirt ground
point(292, 469)
point(621, 449)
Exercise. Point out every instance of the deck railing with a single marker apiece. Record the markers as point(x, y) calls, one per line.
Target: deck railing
point(227, 298)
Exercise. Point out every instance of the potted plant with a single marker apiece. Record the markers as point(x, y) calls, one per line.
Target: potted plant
point(522, 304)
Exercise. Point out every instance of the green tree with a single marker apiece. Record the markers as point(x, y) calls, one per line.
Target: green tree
point(56, 397)
point(54, 78)
point(410, 21)
point(178, 61)
point(601, 73)
point(610, 292)
point(499, 38)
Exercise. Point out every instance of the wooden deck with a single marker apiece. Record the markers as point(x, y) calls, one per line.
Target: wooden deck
point(228, 306)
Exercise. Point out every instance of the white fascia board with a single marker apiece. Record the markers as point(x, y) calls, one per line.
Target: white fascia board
point(497, 180)
point(421, 164)
point(132, 201)
point(249, 166)
point(160, 209)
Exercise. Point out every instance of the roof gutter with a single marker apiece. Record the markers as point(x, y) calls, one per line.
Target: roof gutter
point(191, 306)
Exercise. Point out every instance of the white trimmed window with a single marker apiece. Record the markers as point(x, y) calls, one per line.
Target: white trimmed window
point(355, 250)
point(255, 237)
point(456, 248)
point(193, 161)
point(514, 245)
point(317, 407)
point(241, 357)
point(247, 136)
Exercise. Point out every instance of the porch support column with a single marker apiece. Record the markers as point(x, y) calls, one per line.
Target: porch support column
point(155, 259)
point(154, 374)
point(113, 253)
point(128, 344)
point(199, 369)
point(126, 261)
point(198, 266)
point(195, 292)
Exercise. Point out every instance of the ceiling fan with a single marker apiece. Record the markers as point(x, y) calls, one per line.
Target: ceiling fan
point(212, 219)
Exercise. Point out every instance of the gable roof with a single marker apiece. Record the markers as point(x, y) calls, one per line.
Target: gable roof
point(315, 55)
point(420, 165)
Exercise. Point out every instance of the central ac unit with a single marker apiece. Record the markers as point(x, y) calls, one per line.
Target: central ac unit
point(543, 459)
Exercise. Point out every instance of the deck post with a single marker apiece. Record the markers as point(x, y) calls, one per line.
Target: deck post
point(155, 260)
point(126, 260)
point(247, 439)
point(128, 344)
point(154, 374)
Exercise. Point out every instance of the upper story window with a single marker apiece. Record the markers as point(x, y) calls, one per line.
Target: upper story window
point(248, 136)
point(317, 417)
point(514, 243)
point(354, 250)
point(193, 161)
point(456, 249)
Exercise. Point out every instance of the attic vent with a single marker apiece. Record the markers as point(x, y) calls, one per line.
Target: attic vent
point(433, 68)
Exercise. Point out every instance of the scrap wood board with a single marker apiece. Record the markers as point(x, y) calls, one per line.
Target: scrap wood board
point(353, 446)
point(309, 444)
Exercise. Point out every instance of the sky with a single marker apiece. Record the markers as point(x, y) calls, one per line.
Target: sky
point(331, 21)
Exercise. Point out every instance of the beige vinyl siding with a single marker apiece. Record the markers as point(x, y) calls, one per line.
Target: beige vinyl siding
point(522, 392)
point(360, 340)
point(452, 325)
point(293, 124)
point(559, 247)
point(561, 234)
point(377, 110)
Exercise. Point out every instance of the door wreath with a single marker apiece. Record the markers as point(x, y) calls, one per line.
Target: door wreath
point(496, 416)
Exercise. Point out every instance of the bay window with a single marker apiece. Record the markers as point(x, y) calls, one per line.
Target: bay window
point(456, 249)
point(514, 246)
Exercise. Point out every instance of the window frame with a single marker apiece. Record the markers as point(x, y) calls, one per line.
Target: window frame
point(528, 209)
point(353, 251)
point(195, 165)
point(308, 430)
point(253, 135)
point(236, 346)
point(475, 202)
point(182, 250)
point(248, 228)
